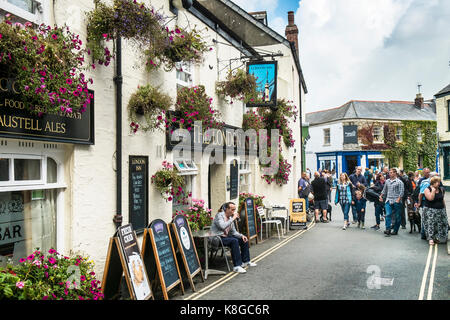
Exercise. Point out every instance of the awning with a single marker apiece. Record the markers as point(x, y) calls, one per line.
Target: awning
point(444, 144)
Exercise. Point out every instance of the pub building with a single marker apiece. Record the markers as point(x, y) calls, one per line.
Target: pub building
point(68, 181)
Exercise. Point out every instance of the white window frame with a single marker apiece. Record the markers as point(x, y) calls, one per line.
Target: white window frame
point(325, 143)
point(380, 135)
point(185, 66)
point(22, 185)
point(186, 167)
point(16, 11)
point(399, 134)
point(419, 135)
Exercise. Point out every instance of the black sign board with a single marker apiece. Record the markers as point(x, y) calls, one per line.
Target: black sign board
point(124, 257)
point(159, 256)
point(297, 214)
point(231, 139)
point(265, 73)
point(350, 134)
point(17, 122)
point(234, 179)
point(187, 248)
point(250, 216)
point(138, 190)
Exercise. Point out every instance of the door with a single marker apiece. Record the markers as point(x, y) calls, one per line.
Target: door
point(352, 163)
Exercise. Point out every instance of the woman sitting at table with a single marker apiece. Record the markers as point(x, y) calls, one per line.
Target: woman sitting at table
point(224, 222)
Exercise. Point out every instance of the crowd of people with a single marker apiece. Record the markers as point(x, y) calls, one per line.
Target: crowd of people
point(394, 193)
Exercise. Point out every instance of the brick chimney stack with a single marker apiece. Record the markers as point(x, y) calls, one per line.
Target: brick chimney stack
point(419, 101)
point(291, 31)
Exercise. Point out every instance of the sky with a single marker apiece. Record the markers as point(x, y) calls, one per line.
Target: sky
point(366, 49)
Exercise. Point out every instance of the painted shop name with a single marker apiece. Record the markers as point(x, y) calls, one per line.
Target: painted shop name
point(16, 122)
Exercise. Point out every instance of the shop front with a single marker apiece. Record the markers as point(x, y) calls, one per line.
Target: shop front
point(35, 174)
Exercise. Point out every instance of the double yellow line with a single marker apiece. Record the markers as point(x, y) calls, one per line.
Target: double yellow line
point(231, 275)
point(425, 273)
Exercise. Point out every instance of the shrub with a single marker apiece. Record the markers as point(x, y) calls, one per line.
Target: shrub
point(197, 215)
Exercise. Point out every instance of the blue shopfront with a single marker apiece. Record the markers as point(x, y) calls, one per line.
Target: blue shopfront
point(347, 161)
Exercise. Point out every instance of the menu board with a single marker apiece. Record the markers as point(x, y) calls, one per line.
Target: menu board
point(297, 213)
point(138, 190)
point(124, 257)
point(187, 247)
point(159, 256)
point(251, 218)
point(234, 177)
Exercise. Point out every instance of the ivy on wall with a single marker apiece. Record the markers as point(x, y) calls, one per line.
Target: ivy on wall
point(409, 149)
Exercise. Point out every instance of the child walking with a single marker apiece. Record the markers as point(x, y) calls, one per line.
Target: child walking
point(360, 204)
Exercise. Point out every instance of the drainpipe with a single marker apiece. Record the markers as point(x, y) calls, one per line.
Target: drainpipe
point(301, 127)
point(118, 83)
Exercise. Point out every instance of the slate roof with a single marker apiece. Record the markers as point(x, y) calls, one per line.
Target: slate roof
point(443, 91)
point(377, 110)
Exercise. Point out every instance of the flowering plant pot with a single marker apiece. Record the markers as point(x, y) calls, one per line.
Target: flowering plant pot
point(47, 65)
point(50, 276)
point(238, 85)
point(169, 183)
point(197, 215)
point(151, 104)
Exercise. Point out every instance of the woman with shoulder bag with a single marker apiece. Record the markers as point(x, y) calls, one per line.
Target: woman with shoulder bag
point(435, 219)
point(344, 197)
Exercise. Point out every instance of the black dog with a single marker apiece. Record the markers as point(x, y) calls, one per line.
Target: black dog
point(414, 218)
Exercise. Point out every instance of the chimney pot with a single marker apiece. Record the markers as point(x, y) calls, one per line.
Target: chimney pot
point(291, 30)
point(419, 101)
point(291, 18)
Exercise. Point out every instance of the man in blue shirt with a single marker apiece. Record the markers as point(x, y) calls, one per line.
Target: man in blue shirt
point(356, 179)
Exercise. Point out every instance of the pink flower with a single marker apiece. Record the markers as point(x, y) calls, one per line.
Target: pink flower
point(1, 36)
point(20, 284)
point(51, 260)
point(54, 37)
point(105, 35)
point(52, 251)
point(69, 81)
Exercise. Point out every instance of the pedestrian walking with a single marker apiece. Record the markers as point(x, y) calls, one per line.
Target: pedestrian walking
point(329, 179)
point(435, 218)
point(356, 179)
point(378, 188)
point(360, 204)
point(408, 192)
point(304, 188)
point(368, 175)
point(418, 198)
point(343, 196)
point(318, 189)
point(393, 191)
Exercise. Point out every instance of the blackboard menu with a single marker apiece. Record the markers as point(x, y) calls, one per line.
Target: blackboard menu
point(138, 190)
point(250, 213)
point(135, 266)
point(234, 177)
point(187, 245)
point(164, 251)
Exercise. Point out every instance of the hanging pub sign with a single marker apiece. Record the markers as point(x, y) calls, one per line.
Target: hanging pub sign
point(297, 214)
point(265, 73)
point(186, 247)
point(138, 190)
point(16, 121)
point(124, 257)
point(350, 134)
point(159, 257)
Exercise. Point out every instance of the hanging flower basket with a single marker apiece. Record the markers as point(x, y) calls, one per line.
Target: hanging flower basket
point(47, 65)
point(147, 108)
point(238, 85)
point(168, 182)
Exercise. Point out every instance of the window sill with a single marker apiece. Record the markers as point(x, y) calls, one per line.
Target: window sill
point(35, 187)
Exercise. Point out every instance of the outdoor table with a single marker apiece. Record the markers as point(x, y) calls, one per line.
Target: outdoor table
point(274, 208)
point(205, 234)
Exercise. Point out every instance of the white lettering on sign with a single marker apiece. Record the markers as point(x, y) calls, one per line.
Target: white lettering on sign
point(128, 238)
point(126, 230)
point(350, 134)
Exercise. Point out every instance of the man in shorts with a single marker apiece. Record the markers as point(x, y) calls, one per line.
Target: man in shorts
point(319, 190)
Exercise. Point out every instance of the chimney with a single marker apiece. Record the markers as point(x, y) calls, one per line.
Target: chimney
point(292, 30)
point(419, 101)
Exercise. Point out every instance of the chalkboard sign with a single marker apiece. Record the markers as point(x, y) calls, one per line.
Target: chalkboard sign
point(124, 257)
point(250, 216)
point(138, 190)
point(159, 256)
point(297, 213)
point(234, 177)
point(187, 248)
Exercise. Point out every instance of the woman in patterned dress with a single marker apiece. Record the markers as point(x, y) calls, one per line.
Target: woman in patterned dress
point(435, 219)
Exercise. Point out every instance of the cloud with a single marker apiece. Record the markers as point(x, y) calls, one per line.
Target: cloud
point(372, 50)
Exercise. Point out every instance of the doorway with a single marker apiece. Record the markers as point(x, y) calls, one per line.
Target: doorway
point(351, 164)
